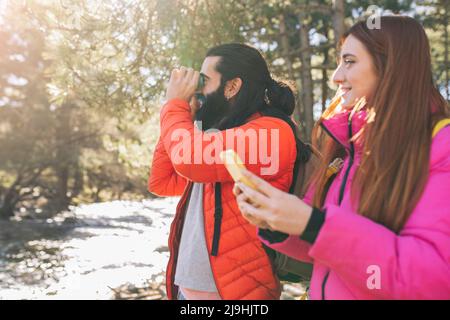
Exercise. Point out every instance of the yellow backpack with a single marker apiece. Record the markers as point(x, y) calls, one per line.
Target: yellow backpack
point(440, 125)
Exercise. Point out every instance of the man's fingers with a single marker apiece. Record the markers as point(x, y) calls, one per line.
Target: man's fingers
point(182, 84)
point(175, 75)
point(191, 78)
point(189, 72)
point(195, 78)
point(187, 79)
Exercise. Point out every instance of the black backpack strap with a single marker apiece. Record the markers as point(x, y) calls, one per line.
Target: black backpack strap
point(218, 214)
point(304, 152)
point(303, 155)
point(272, 236)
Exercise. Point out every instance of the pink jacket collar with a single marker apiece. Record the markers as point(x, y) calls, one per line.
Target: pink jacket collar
point(339, 126)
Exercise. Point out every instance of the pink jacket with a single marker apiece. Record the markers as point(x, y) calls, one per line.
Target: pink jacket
point(351, 251)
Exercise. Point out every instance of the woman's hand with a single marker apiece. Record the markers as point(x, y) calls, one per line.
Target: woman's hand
point(271, 208)
point(182, 84)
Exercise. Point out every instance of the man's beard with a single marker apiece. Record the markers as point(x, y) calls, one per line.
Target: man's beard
point(214, 110)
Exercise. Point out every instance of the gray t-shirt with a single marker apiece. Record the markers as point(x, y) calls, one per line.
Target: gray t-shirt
point(193, 269)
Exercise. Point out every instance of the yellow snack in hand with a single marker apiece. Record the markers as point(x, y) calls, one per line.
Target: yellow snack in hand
point(235, 167)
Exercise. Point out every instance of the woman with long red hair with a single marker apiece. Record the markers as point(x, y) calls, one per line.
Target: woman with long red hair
point(379, 227)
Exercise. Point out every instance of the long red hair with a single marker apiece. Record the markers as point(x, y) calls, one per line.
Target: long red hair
point(405, 107)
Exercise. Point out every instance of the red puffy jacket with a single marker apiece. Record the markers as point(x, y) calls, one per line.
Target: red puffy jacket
point(241, 268)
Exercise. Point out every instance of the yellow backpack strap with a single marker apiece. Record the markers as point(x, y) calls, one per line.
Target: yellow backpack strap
point(440, 125)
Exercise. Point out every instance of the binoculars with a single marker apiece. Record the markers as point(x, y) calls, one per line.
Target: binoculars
point(201, 82)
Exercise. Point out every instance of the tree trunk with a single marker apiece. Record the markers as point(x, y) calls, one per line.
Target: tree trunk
point(63, 156)
point(286, 49)
point(6, 211)
point(306, 76)
point(338, 19)
point(9, 203)
point(326, 57)
point(78, 185)
point(62, 200)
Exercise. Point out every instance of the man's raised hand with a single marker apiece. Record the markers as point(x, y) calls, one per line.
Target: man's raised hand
point(182, 84)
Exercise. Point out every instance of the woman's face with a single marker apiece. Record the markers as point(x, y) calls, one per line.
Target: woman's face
point(355, 74)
